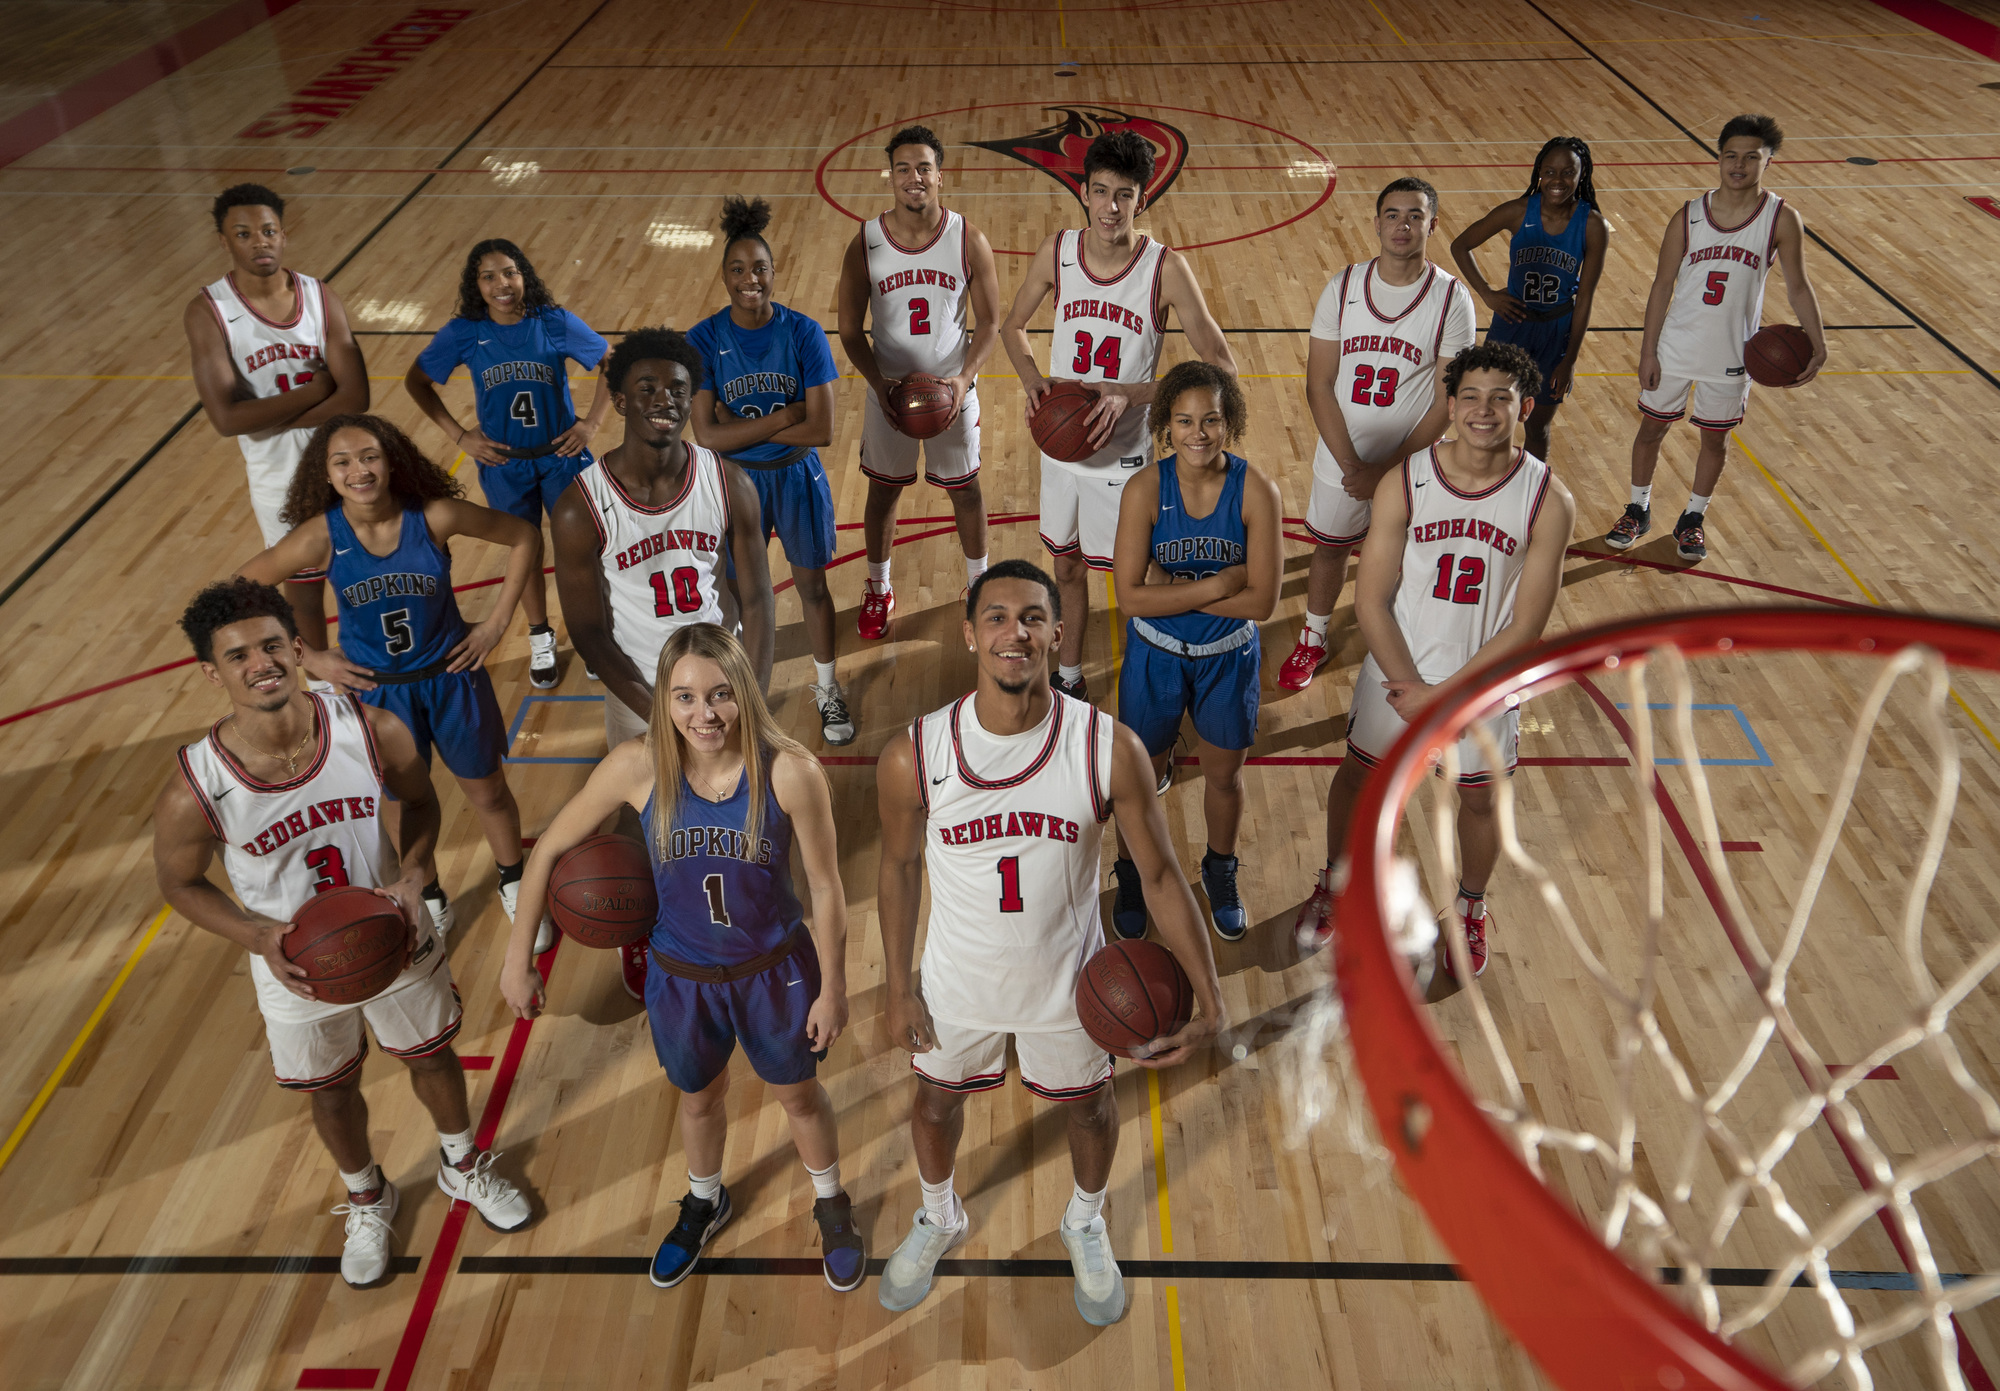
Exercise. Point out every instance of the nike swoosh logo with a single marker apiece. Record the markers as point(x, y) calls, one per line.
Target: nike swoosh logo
point(724, 352)
point(338, 551)
point(1166, 507)
point(936, 781)
point(1069, 263)
point(794, 982)
point(484, 341)
point(224, 793)
point(1425, 484)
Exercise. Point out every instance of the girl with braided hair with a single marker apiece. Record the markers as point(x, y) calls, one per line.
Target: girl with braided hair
point(1556, 254)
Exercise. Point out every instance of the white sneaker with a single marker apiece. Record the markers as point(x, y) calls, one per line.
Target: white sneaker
point(907, 1277)
point(364, 1259)
point(542, 659)
point(441, 915)
point(836, 726)
point(1100, 1285)
point(545, 931)
point(500, 1205)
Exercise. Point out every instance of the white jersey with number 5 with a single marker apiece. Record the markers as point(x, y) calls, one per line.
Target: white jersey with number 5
point(1462, 559)
point(1109, 331)
point(1012, 828)
point(660, 563)
point(1718, 293)
point(917, 299)
point(1391, 339)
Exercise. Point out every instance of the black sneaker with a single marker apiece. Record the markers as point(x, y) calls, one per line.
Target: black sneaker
point(842, 1256)
point(700, 1221)
point(1690, 542)
point(1225, 905)
point(1068, 688)
point(1128, 909)
point(1636, 522)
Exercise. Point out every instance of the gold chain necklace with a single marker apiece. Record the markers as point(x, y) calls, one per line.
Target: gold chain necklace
point(712, 795)
point(291, 759)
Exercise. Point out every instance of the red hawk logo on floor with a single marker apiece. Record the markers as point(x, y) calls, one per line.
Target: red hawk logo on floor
point(1058, 150)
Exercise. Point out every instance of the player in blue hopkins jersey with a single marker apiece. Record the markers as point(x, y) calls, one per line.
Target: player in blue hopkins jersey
point(766, 401)
point(369, 507)
point(1198, 566)
point(723, 792)
point(1553, 262)
point(528, 441)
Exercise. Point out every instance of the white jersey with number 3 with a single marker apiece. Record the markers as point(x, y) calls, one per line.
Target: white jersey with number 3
point(1109, 331)
point(1391, 339)
point(660, 563)
point(917, 299)
point(1012, 828)
point(1718, 293)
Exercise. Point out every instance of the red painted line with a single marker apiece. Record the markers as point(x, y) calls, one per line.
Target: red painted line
point(97, 690)
point(1989, 206)
point(1694, 573)
point(438, 1268)
point(1739, 847)
point(1954, 24)
point(98, 93)
point(338, 1378)
point(1884, 1073)
point(1968, 1360)
point(478, 1062)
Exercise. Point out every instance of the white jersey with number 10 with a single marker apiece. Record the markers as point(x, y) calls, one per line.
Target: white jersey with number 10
point(660, 563)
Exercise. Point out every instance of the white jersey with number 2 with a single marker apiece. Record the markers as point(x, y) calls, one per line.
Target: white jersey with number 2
point(1012, 829)
point(1108, 331)
point(917, 304)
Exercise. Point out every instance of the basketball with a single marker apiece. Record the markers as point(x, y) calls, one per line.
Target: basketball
point(921, 405)
point(601, 893)
point(1057, 423)
point(1777, 354)
point(1131, 993)
point(352, 941)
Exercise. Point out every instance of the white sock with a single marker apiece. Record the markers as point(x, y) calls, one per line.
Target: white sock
point(1698, 504)
point(367, 1181)
point(941, 1204)
point(1316, 625)
point(1083, 1207)
point(705, 1188)
point(974, 568)
point(878, 574)
point(455, 1147)
point(1642, 497)
point(1070, 675)
point(822, 672)
point(826, 1182)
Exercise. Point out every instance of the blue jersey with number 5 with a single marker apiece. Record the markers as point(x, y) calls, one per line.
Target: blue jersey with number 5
point(519, 381)
point(1543, 270)
point(397, 611)
point(725, 895)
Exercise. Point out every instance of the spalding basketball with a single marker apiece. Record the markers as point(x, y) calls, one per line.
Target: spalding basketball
point(1057, 423)
point(921, 405)
point(353, 943)
point(601, 893)
point(1131, 993)
point(1777, 355)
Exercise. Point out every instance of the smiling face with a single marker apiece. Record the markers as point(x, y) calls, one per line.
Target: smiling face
point(501, 286)
point(1011, 632)
point(1486, 407)
point(255, 238)
point(256, 663)
point(1405, 223)
point(747, 273)
point(356, 465)
point(702, 704)
point(1561, 171)
point(1113, 201)
point(1197, 427)
point(654, 401)
point(1744, 158)
point(916, 177)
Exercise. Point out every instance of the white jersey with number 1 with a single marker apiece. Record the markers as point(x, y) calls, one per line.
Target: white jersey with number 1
point(1108, 331)
point(917, 302)
point(1012, 829)
point(1718, 292)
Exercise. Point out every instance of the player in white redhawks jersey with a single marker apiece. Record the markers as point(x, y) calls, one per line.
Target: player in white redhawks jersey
point(1462, 564)
point(643, 535)
point(915, 271)
point(1381, 330)
point(291, 785)
point(1708, 295)
point(1003, 795)
point(1114, 290)
point(273, 357)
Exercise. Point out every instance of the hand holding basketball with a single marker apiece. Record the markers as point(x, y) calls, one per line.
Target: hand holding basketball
point(1177, 1048)
point(1103, 418)
point(271, 946)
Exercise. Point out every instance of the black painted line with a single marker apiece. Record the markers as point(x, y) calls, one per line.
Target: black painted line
point(1821, 242)
point(1083, 67)
point(186, 1265)
point(164, 440)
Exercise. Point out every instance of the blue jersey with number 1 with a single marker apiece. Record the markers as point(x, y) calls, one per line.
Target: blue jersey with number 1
point(725, 897)
point(519, 380)
point(397, 611)
point(1543, 270)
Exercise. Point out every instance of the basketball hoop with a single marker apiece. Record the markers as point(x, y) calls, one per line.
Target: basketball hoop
point(1583, 1302)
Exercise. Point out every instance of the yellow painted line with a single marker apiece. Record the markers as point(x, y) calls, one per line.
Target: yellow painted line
point(739, 26)
point(1174, 1335)
point(48, 1090)
point(1062, 28)
point(1392, 27)
point(1867, 593)
point(453, 470)
point(1160, 1162)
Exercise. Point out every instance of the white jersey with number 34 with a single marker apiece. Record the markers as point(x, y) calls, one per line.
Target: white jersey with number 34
point(1012, 828)
point(1108, 331)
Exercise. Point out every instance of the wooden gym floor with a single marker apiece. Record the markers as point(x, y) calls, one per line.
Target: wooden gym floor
point(165, 1205)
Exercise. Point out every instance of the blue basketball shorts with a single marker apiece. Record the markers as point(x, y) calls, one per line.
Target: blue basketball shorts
point(455, 711)
point(1157, 687)
point(697, 1024)
point(1545, 343)
point(526, 488)
point(798, 509)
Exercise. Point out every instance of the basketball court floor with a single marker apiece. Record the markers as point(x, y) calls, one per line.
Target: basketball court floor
point(163, 1206)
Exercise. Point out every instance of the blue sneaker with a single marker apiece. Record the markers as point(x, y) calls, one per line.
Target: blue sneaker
point(842, 1255)
point(1225, 906)
point(700, 1221)
point(1128, 909)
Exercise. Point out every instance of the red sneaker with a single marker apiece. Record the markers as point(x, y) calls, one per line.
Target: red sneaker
point(1475, 942)
point(1313, 927)
point(1304, 664)
point(876, 606)
point(632, 962)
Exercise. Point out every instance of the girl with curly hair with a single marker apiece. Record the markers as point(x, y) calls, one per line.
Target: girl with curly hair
point(371, 510)
point(528, 442)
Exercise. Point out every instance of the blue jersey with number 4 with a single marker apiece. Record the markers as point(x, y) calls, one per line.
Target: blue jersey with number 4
point(1543, 270)
point(397, 611)
point(725, 896)
point(519, 382)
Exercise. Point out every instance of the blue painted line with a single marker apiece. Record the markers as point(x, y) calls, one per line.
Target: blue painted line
point(520, 715)
point(1762, 760)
